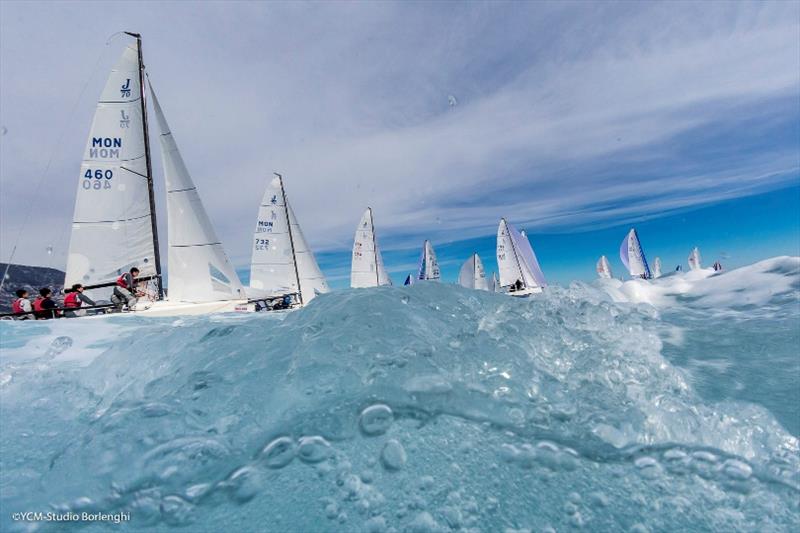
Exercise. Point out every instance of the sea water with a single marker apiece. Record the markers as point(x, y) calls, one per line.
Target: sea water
point(612, 406)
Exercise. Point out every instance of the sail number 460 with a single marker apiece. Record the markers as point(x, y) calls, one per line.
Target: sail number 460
point(98, 175)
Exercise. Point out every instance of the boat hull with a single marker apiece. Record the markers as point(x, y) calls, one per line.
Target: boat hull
point(167, 308)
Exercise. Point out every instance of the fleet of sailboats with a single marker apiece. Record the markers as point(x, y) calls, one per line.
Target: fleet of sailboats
point(114, 227)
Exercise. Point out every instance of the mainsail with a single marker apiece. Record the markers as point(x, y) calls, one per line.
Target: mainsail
point(367, 267)
point(199, 270)
point(657, 267)
point(428, 265)
point(282, 261)
point(472, 274)
point(694, 259)
point(603, 268)
point(516, 260)
point(113, 226)
point(632, 256)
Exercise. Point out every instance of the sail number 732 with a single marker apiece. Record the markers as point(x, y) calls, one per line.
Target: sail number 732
point(97, 179)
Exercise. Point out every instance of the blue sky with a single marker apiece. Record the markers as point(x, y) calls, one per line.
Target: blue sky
point(575, 120)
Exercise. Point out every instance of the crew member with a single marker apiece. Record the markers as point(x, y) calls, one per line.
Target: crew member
point(74, 300)
point(22, 305)
point(43, 306)
point(125, 290)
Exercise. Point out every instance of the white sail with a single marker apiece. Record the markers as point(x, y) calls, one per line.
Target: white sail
point(112, 222)
point(495, 285)
point(281, 261)
point(516, 260)
point(603, 268)
point(657, 267)
point(694, 259)
point(409, 280)
point(199, 269)
point(632, 256)
point(428, 265)
point(472, 274)
point(367, 268)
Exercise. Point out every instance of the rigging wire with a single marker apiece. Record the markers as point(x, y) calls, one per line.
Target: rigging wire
point(44, 174)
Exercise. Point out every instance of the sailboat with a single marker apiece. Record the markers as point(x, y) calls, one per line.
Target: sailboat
point(495, 285)
point(657, 268)
point(694, 259)
point(472, 274)
point(409, 280)
point(632, 256)
point(114, 223)
point(603, 268)
point(519, 269)
point(367, 268)
point(282, 262)
point(428, 265)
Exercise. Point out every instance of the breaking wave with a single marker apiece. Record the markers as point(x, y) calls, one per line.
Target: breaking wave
point(422, 408)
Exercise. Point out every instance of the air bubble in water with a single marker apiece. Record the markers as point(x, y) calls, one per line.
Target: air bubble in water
point(313, 449)
point(176, 511)
point(58, 345)
point(278, 453)
point(393, 456)
point(376, 419)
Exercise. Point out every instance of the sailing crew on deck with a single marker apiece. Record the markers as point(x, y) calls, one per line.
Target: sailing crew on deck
point(44, 307)
point(74, 300)
point(22, 305)
point(125, 290)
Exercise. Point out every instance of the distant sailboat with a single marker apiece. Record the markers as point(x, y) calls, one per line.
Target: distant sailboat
point(282, 262)
point(428, 265)
point(367, 268)
point(694, 259)
point(472, 274)
point(519, 269)
point(495, 285)
point(603, 268)
point(114, 224)
point(409, 280)
point(657, 267)
point(632, 256)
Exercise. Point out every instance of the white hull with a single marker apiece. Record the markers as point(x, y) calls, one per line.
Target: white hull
point(167, 308)
point(524, 293)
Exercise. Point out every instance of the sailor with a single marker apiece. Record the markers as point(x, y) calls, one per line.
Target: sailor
point(43, 306)
point(74, 300)
point(124, 291)
point(679, 268)
point(717, 266)
point(22, 305)
point(518, 286)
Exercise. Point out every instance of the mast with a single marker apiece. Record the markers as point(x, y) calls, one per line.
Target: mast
point(291, 239)
point(514, 249)
point(150, 191)
point(374, 249)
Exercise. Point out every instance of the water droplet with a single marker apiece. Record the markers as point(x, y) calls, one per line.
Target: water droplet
point(243, 484)
point(313, 449)
point(737, 470)
point(176, 511)
point(376, 524)
point(648, 467)
point(376, 419)
point(58, 345)
point(278, 453)
point(393, 456)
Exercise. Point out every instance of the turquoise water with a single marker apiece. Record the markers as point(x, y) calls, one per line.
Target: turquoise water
point(422, 408)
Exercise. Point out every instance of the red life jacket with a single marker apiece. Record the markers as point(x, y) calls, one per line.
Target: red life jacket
point(37, 304)
point(72, 300)
point(16, 307)
point(122, 283)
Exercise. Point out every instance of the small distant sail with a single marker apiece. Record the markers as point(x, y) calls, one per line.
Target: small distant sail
point(409, 280)
point(516, 260)
point(657, 267)
point(112, 226)
point(603, 268)
point(199, 270)
point(694, 259)
point(495, 286)
point(632, 256)
point(472, 274)
point(367, 265)
point(282, 261)
point(428, 265)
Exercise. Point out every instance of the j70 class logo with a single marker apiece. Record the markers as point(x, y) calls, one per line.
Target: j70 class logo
point(125, 90)
point(274, 199)
point(125, 120)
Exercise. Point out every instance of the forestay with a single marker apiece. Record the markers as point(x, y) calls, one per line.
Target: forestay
point(281, 261)
point(632, 256)
point(603, 268)
point(367, 268)
point(694, 259)
point(112, 228)
point(199, 269)
point(428, 265)
point(472, 274)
